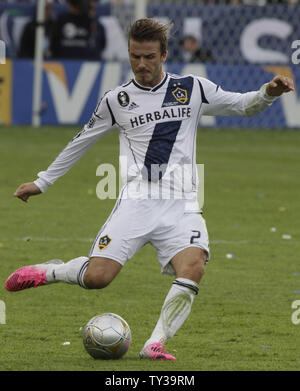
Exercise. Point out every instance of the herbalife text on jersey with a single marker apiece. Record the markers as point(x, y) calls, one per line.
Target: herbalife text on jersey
point(167, 113)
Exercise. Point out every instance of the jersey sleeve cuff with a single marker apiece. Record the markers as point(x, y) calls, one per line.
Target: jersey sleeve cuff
point(268, 98)
point(41, 184)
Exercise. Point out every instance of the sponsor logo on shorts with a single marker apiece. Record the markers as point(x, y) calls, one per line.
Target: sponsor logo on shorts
point(104, 242)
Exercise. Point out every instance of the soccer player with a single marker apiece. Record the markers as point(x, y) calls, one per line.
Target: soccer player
point(157, 115)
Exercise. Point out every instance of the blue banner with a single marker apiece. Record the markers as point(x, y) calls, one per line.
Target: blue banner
point(71, 90)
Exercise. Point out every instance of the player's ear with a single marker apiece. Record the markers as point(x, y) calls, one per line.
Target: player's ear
point(164, 56)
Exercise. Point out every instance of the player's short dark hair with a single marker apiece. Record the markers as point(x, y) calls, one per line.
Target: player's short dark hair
point(149, 29)
point(83, 5)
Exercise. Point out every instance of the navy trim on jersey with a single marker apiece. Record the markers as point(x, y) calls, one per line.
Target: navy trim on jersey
point(96, 115)
point(141, 87)
point(161, 84)
point(159, 149)
point(127, 84)
point(113, 120)
point(130, 147)
point(150, 88)
point(97, 107)
point(203, 97)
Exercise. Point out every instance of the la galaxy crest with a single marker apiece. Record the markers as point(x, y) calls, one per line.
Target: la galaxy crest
point(181, 95)
point(104, 242)
point(179, 92)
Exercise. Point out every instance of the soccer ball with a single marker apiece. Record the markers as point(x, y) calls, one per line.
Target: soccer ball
point(107, 336)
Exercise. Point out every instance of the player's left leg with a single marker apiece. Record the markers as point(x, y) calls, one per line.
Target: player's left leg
point(189, 266)
point(110, 251)
point(46, 273)
point(90, 273)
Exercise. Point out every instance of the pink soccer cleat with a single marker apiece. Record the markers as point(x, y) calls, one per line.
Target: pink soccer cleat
point(155, 351)
point(29, 277)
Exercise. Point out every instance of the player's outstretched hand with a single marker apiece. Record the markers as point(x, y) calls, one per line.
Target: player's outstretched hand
point(26, 190)
point(279, 85)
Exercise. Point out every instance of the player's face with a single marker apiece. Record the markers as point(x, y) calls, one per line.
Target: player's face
point(146, 62)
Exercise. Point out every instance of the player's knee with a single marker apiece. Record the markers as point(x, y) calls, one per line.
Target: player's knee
point(100, 273)
point(96, 280)
point(194, 268)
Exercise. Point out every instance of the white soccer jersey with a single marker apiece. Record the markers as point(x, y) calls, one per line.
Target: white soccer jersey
point(157, 130)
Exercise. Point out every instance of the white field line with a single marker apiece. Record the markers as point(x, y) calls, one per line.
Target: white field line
point(91, 240)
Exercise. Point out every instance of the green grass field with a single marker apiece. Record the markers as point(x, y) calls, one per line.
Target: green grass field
point(241, 319)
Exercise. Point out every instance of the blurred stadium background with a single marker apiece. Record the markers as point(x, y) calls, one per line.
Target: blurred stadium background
point(249, 41)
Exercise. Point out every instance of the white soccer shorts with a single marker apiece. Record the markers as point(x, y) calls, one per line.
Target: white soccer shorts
point(163, 223)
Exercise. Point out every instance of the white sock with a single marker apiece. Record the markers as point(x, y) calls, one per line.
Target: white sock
point(71, 272)
point(175, 310)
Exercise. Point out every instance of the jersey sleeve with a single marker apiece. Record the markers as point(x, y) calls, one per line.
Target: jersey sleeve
point(100, 123)
point(219, 102)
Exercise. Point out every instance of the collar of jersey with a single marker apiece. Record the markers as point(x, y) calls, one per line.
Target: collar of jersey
point(152, 89)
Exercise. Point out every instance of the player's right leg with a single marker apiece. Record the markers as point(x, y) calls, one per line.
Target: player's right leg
point(100, 272)
point(94, 273)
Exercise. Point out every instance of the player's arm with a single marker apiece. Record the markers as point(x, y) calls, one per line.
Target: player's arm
point(222, 102)
point(100, 123)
